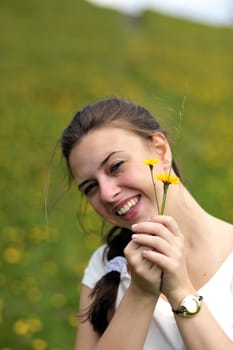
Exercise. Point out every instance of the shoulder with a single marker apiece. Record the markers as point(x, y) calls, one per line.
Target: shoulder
point(98, 254)
point(95, 268)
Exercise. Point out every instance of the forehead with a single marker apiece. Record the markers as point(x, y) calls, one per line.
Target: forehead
point(98, 144)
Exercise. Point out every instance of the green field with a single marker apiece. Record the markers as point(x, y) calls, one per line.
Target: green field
point(55, 58)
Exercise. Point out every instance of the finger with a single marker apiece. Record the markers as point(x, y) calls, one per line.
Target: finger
point(154, 242)
point(133, 253)
point(157, 259)
point(161, 222)
point(154, 229)
point(133, 246)
point(169, 222)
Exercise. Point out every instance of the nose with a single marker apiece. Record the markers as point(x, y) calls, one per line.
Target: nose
point(109, 189)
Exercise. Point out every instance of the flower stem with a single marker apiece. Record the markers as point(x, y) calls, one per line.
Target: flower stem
point(165, 188)
point(155, 192)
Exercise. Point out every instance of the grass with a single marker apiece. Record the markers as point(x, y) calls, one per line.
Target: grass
point(55, 58)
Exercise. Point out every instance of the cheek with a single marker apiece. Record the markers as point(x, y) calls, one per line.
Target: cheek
point(95, 204)
point(137, 178)
point(98, 207)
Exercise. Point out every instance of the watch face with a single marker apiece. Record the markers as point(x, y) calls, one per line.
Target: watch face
point(191, 304)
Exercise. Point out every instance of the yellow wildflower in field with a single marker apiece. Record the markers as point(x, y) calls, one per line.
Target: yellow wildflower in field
point(21, 327)
point(58, 300)
point(35, 324)
point(27, 327)
point(40, 344)
point(12, 255)
point(73, 320)
point(34, 294)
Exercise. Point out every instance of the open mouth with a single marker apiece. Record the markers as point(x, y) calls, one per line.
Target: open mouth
point(125, 209)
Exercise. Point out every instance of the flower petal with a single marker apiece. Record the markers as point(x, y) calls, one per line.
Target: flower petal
point(151, 162)
point(167, 178)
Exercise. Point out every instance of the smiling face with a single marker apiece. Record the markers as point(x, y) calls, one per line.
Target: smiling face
point(108, 168)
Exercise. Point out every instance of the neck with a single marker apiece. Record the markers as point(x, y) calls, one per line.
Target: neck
point(192, 219)
point(204, 235)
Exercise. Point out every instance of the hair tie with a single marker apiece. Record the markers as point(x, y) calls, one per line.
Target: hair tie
point(119, 264)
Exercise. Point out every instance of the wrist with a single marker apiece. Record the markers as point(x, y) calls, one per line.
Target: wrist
point(178, 296)
point(143, 295)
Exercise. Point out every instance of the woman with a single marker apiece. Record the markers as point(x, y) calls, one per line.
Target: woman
point(144, 288)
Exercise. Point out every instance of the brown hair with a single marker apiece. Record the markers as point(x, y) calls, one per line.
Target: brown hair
point(112, 111)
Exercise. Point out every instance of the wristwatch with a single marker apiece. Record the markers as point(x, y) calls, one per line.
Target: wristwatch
point(190, 306)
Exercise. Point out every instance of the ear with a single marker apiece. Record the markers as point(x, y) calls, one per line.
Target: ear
point(162, 149)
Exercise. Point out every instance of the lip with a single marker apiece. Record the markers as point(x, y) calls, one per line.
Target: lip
point(132, 211)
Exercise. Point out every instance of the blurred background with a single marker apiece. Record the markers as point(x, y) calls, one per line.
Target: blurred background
point(55, 58)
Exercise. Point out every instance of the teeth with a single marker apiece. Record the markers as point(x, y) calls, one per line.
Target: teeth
point(127, 206)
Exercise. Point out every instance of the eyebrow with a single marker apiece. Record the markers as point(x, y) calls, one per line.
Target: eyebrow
point(101, 165)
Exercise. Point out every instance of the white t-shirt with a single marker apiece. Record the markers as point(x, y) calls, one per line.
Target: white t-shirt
point(163, 332)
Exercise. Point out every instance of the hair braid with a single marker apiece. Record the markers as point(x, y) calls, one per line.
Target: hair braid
point(105, 291)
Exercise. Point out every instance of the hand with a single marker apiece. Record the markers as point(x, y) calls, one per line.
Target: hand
point(165, 249)
point(145, 276)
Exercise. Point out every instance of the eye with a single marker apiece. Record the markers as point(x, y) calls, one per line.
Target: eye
point(115, 166)
point(90, 188)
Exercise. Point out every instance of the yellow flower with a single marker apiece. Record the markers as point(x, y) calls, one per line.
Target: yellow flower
point(151, 162)
point(35, 325)
point(73, 320)
point(21, 327)
point(40, 344)
point(167, 178)
point(58, 300)
point(12, 255)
